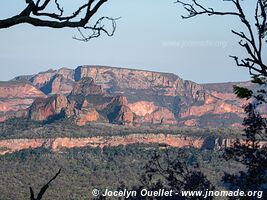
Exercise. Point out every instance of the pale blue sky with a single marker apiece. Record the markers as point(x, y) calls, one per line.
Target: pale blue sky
point(150, 35)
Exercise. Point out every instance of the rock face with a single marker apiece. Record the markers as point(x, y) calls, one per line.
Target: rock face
point(44, 108)
point(145, 97)
point(52, 81)
point(57, 107)
point(16, 96)
point(160, 116)
point(214, 108)
point(139, 85)
point(59, 85)
point(177, 141)
point(148, 113)
point(142, 108)
point(118, 112)
point(124, 116)
point(86, 114)
point(19, 90)
point(86, 86)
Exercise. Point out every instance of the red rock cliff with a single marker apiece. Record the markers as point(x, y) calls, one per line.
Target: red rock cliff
point(43, 108)
point(178, 141)
point(16, 96)
point(153, 97)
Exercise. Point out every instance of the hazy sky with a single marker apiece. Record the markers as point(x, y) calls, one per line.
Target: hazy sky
point(150, 35)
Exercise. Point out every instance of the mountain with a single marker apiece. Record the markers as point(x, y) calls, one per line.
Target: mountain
point(119, 95)
point(15, 96)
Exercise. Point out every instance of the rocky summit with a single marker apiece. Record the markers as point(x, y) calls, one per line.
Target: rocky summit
point(120, 96)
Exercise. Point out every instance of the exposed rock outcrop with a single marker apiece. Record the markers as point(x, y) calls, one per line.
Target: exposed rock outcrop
point(16, 96)
point(148, 113)
point(53, 81)
point(55, 106)
point(129, 81)
point(12, 89)
point(141, 108)
point(214, 108)
point(59, 85)
point(153, 97)
point(160, 116)
point(43, 78)
point(86, 114)
point(125, 116)
point(177, 141)
point(118, 112)
point(86, 86)
point(191, 123)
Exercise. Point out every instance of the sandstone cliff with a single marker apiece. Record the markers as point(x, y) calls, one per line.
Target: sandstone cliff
point(118, 112)
point(51, 80)
point(44, 108)
point(16, 96)
point(122, 80)
point(56, 144)
point(57, 107)
point(142, 108)
point(14, 89)
point(87, 114)
point(152, 97)
point(86, 86)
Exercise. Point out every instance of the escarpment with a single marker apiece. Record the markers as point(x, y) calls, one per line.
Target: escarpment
point(145, 97)
point(15, 96)
point(59, 144)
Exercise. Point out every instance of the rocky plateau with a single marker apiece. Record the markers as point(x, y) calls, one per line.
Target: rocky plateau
point(120, 96)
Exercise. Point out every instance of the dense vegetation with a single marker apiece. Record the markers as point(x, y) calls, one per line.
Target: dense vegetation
point(88, 168)
point(22, 128)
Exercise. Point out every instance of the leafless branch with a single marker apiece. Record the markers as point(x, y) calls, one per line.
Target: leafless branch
point(252, 42)
point(97, 29)
point(38, 14)
point(195, 9)
point(43, 189)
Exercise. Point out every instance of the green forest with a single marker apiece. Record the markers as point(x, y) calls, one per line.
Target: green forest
point(86, 168)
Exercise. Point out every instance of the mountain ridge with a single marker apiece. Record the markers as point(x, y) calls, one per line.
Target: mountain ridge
point(152, 97)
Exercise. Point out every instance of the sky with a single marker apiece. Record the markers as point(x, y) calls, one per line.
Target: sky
point(150, 35)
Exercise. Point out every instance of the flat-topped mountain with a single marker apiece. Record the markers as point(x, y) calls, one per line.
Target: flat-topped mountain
point(120, 95)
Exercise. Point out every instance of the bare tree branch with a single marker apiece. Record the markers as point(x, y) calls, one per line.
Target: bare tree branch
point(252, 42)
point(37, 13)
point(97, 29)
point(44, 188)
